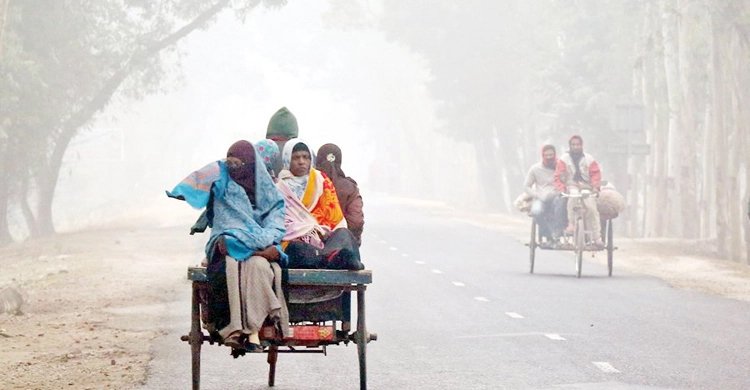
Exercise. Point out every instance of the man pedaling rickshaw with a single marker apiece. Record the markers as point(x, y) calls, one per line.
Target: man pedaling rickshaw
point(577, 171)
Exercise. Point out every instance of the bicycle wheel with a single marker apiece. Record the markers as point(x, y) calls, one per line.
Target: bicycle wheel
point(532, 247)
point(610, 247)
point(579, 241)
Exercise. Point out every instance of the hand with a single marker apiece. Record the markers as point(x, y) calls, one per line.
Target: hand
point(270, 253)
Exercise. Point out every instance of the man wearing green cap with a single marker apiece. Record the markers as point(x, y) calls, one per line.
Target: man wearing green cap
point(281, 128)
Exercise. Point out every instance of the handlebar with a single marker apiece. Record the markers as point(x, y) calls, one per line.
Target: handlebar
point(583, 194)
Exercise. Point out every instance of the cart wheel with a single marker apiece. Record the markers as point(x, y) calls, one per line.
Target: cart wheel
point(532, 247)
point(579, 241)
point(362, 338)
point(610, 247)
point(196, 338)
point(273, 354)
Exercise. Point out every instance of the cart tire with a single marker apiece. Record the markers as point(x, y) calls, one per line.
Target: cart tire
point(362, 338)
point(273, 354)
point(196, 338)
point(532, 247)
point(579, 242)
point(610, 247)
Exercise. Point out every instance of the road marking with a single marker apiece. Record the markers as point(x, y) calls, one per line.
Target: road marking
point(481, 299)
point(458, 284)
point(554, 336)
point(606, 367)
point(393, 248)
point(513, 315)
point(484, 336)
point(383, 241)
point(404, 255)
point(437, 271)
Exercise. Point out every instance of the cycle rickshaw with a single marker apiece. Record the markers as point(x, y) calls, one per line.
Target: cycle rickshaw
point(315, 322)
point(581, 240)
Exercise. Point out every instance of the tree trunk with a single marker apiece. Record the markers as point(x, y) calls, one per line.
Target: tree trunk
point(4, 6)
point(687, 160)
point(673, 137)
point(719, 164)
point(23, 200)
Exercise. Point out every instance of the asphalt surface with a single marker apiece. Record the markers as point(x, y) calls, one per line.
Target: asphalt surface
point(455, 308)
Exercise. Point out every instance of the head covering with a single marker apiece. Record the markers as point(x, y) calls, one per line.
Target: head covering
point(282, 126)
point(244, 175)
point(269, 153)
point(553, 162)
point(289, 148)
point(329, 160)
point(576, 136)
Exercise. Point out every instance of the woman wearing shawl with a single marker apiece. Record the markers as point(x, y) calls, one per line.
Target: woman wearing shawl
point(316, 234)
point(268, 151)
point(328, 161)
point(246, 215)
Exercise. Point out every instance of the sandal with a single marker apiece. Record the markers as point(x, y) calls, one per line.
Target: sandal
point(234, 340)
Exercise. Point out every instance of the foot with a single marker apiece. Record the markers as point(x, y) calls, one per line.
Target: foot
point(234, 340)
point(253, 347)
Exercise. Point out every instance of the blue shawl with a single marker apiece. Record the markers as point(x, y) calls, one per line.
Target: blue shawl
point(245, 228)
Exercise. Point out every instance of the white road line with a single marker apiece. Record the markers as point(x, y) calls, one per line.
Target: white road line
point(404, 255)
point(436, 271)
point(419, 262)
point(554, 336)
point(513, 315)
point(606, 367)
point(383, 241)
point(458, 284)
point(393, 248)
point(481, 299)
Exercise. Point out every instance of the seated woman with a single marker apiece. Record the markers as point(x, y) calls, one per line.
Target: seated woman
point(246, 215)
point(269, 153)
point(316, 234)
point(328, 161)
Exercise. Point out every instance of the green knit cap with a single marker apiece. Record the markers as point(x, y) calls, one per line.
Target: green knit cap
point(282, 124)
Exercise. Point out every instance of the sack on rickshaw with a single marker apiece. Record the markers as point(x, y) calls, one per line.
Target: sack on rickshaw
point(523, 202)
point(610, 203)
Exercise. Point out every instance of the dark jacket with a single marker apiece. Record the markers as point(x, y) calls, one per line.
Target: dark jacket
point(351, 203)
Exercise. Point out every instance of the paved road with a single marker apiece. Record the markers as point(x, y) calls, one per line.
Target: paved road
point(455, 308)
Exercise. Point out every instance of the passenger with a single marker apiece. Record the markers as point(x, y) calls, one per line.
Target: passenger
point(246, 215)
point(547, 206)
point(328, 161)
point(578, 171)
point(281, 128)
point(270, 155)
point(316, 234)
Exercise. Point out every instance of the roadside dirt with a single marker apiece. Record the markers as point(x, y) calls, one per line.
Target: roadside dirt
point(92, 297)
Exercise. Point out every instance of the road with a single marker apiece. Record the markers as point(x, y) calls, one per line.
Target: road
point(455, 308)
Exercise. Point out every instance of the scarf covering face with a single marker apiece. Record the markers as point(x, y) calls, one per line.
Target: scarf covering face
point(550, 164)
point(269, 153)
point(245, 174)
point(314, 214)
point(245, 227)
point(329, 161)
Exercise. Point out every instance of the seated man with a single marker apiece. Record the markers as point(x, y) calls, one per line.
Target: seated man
point(316, 234)
point(328, 161)
point(578, 171)
point(547, 207)
point(246, 215)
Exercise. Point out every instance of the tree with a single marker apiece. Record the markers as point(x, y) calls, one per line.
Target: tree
point(64, 63)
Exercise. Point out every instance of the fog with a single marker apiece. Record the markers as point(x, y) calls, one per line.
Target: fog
point(438, 101)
